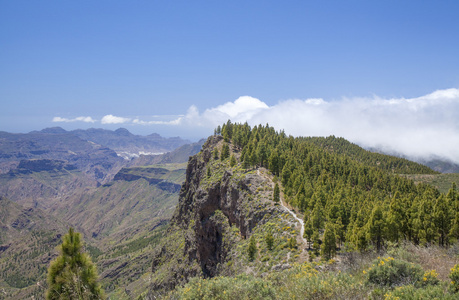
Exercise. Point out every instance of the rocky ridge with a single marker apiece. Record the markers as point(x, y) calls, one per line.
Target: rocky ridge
point(219, 208)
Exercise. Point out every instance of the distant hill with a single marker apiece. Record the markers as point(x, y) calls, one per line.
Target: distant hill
point(129, 145)
point(97, 161)
point(441, 166)
point(437, 164)
point(370, 158)
point(179, 155)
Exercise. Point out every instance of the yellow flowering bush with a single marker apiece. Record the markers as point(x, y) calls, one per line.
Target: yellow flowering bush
point(430, 278)
point(454, 276)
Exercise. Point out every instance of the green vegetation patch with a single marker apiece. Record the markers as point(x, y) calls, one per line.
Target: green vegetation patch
point(441, 181)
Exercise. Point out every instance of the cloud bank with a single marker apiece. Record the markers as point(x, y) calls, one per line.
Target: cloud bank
point(111, 119)
point(421, 128)
point(77, 119)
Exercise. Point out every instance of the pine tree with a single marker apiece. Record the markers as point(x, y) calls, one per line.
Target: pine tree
point(318, 216)
point(308, 231)
point(246, 162)
point(328, 250)
point(442, 219)
point(424, 222)
point(396, 218)
point(276, 193)
point(72, 275)
point(269, 239)
point(452, 196)
point(252, 249)
point(454, 232)
point(273, 162)
point(233, 161)
point(377, 227)
point(454, 205)
point(339, 231)
point(316, 242)
point(225, 152)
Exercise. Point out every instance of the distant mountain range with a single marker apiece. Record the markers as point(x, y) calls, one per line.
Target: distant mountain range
point(53, 179)
point(438, 164)
point(123, 142)
point(98, 153)
point(129, 145)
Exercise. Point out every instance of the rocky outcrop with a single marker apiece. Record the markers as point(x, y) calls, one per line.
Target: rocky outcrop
point(210, 210)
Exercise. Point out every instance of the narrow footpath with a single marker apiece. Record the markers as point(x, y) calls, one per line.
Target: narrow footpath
point(288, 210)
point(298, 219)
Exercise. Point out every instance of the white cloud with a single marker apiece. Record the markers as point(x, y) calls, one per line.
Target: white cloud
point(172, 122)
point(242, 109)
point(78, 119)
point(419, 127)
point(111, 119)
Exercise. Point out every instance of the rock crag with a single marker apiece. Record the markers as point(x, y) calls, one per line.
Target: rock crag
point(219, 207)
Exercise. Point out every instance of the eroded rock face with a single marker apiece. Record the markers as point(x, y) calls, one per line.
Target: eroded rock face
point(38, 165)
point(126, 175)
point(215, 210)
point(208, 209)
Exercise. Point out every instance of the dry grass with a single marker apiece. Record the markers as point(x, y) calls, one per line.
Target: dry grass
point(434, 258)
point(430, 258)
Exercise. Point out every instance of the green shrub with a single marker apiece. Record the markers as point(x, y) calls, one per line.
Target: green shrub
point(412, 293)
point(252, 248)
point(392, 272)
point(240, 287)
point(454, 276)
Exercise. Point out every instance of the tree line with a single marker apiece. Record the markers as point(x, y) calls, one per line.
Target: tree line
point(348, 193)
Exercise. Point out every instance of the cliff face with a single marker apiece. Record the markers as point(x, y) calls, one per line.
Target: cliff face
point(201, 197)
point(153, 176)
point(38, 165)
point(219, 207)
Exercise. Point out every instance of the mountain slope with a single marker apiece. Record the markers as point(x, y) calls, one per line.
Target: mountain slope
point(382, 161)
point(121, 222)
point(136, 197)
point(28, 238)
point(124, 220)
point(43, 182)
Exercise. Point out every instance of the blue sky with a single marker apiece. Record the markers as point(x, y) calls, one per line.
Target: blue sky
point(149, 65)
